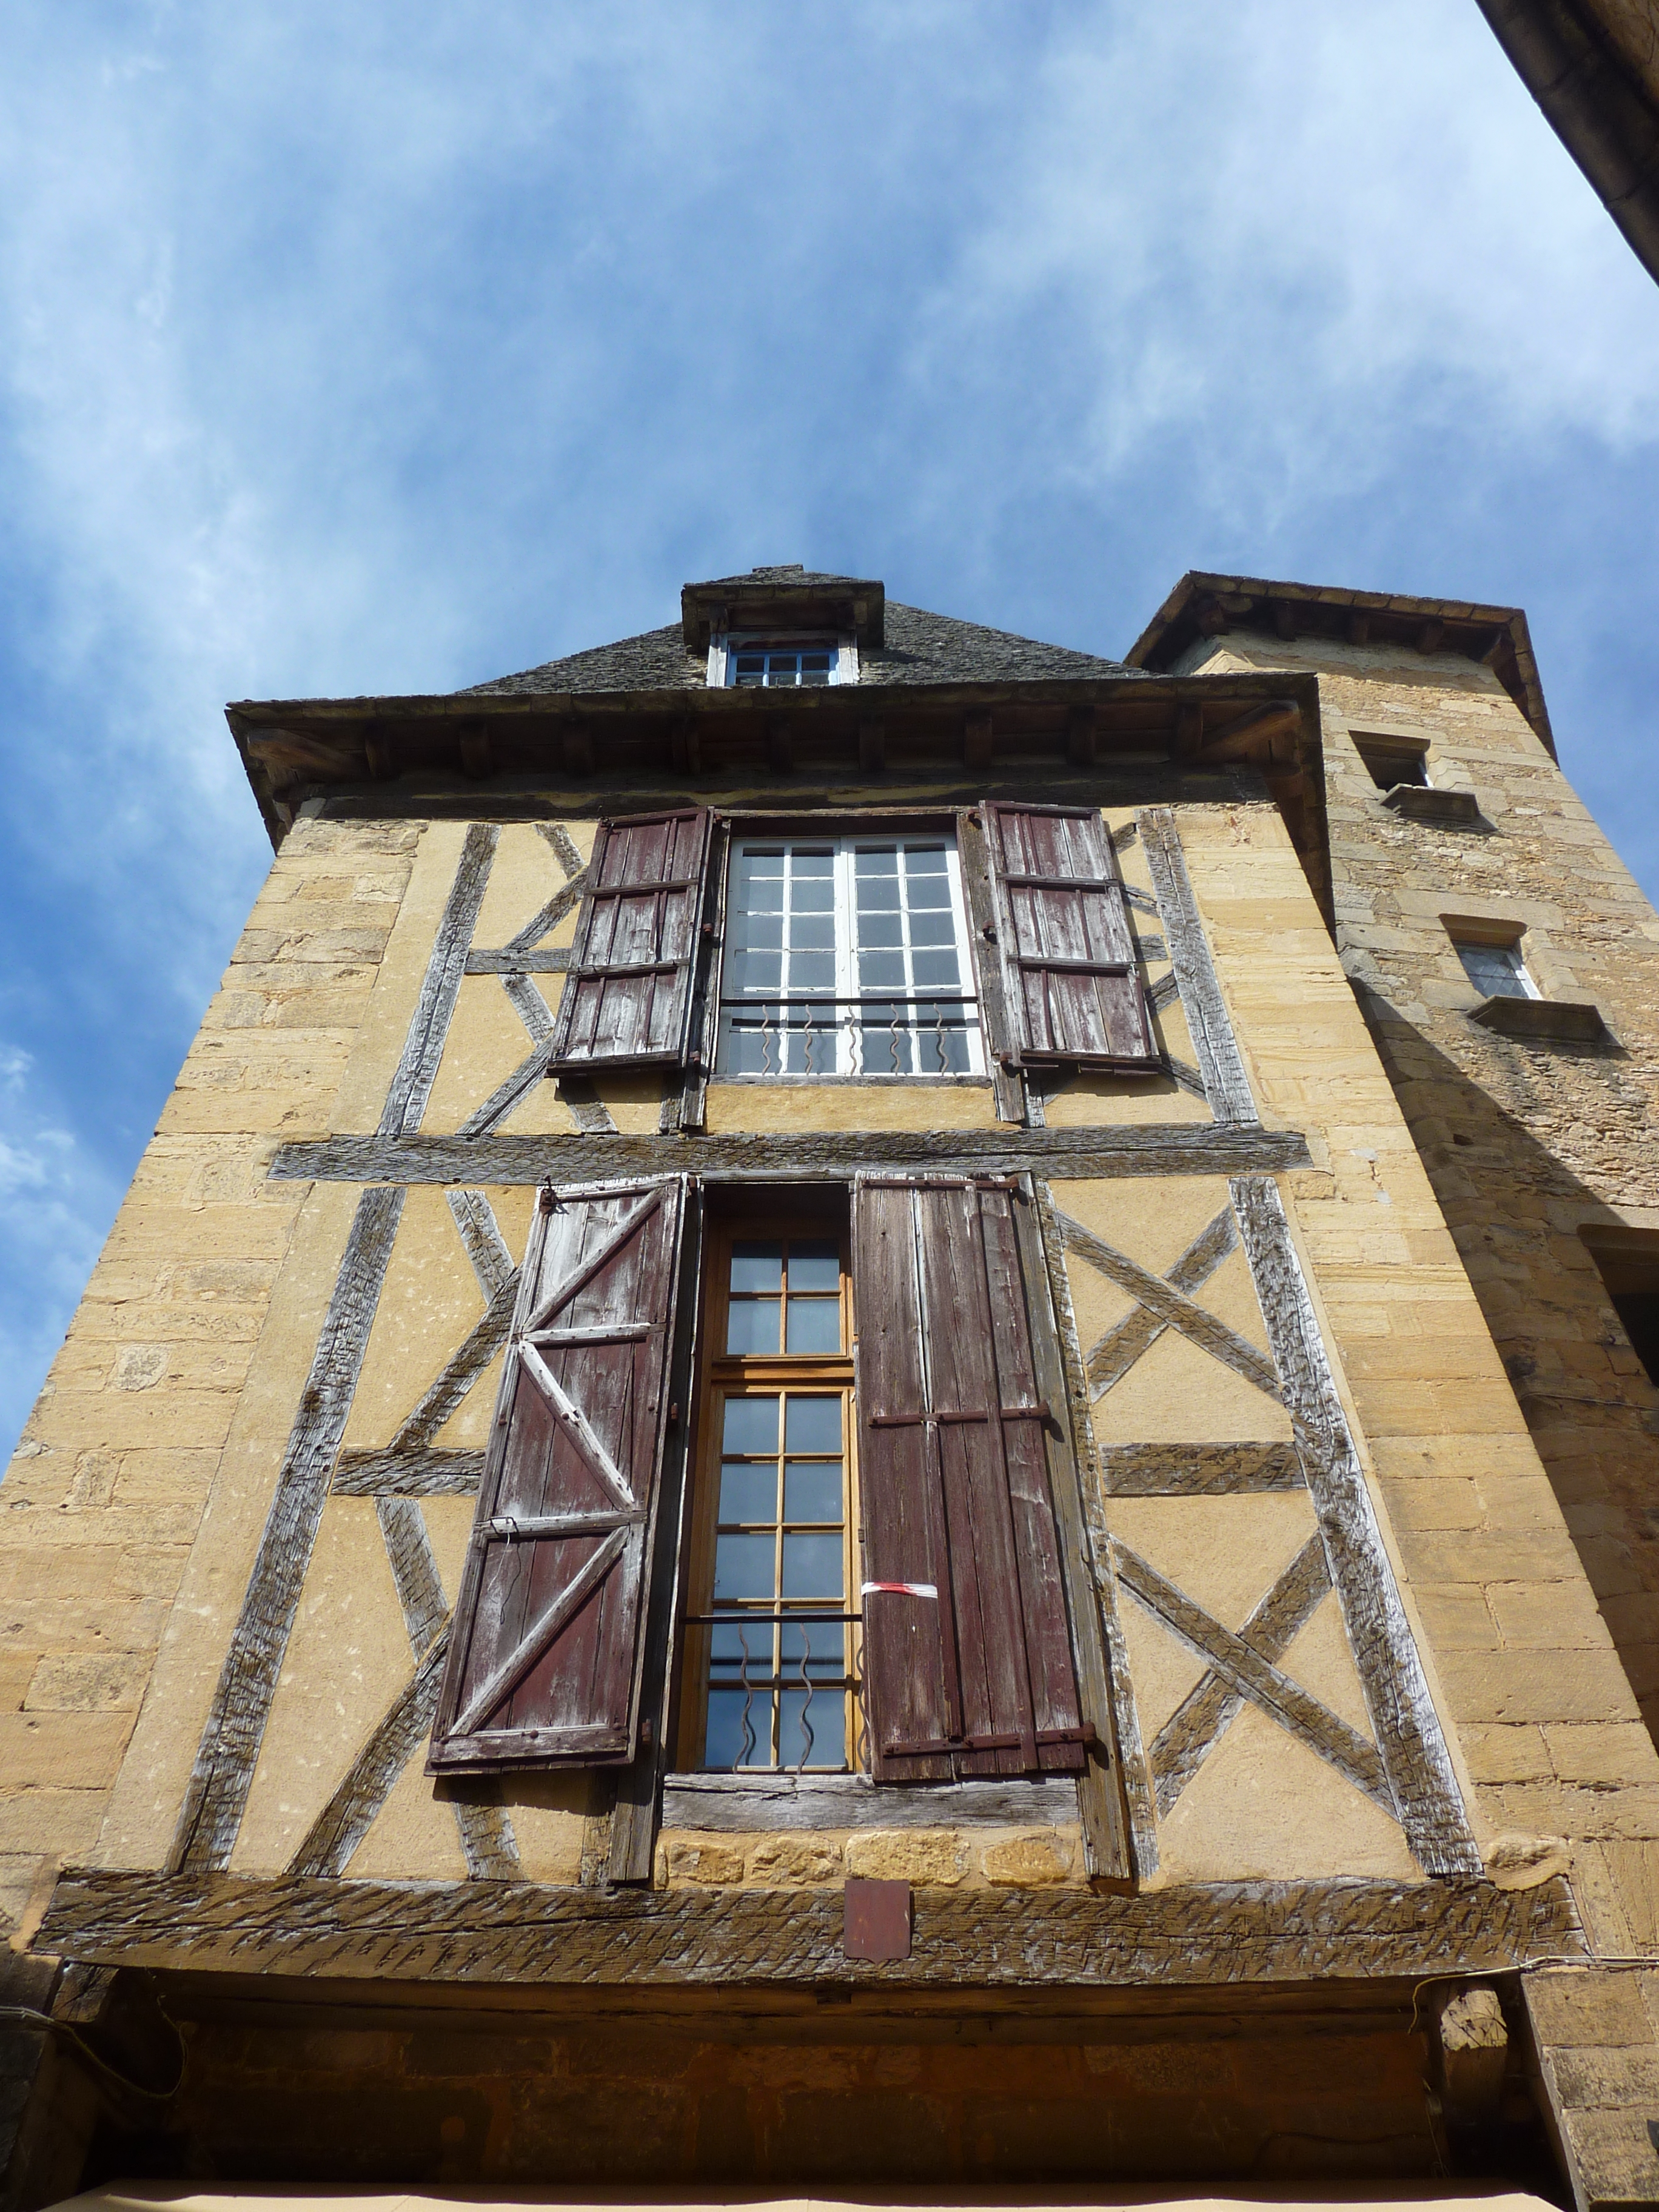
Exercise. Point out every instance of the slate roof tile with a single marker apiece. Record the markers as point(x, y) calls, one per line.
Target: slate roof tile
point(920, 649)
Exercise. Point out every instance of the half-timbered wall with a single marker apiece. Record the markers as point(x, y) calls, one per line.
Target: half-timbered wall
point(1302, 1470)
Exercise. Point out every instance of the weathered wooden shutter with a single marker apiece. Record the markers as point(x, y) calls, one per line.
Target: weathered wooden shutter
point(968, 1664)
point(1068, 957)
point(546, 1650)
point(627, 999)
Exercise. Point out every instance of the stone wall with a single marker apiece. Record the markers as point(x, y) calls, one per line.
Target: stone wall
point(107, 1492)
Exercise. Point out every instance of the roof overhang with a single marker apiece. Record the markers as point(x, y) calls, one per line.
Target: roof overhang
point(1205, 605)
point(1226, 737)
point(850, 606)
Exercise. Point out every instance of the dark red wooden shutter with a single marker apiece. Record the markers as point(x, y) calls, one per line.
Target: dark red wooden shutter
point(1068, 955)
point(968, 1664)
point(627, 1001)
point(545, 1654)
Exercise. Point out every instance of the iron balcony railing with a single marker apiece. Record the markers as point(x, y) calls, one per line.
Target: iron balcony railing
point(935, 1031)
point(766, 1684)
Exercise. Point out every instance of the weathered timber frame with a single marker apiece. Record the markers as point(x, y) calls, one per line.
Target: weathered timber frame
point(1118, 1799)
point(500, 1933)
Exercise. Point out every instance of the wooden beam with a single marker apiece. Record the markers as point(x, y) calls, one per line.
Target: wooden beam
point(412, 1086)
point(223, 1771)
point(478, 755)
point(1430, 636)
point(1080, 736)
point(977, 732)
point(1225, 1083)
point(829, 1155)
point(1284, 622)
point(761, 1803)
point(576, 748)
point(872, 744)
point(1358, 628)
point(500, 1933)
point(1196, 1470)
point(1402, 1715)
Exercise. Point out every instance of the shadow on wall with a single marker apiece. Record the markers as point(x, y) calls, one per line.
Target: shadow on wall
point(1515, 1213)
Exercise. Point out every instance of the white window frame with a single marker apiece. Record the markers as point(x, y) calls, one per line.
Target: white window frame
point(723, 645)
point(843, 1007)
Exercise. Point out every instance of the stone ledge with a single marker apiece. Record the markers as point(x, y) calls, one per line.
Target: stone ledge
point(1563, 1018)
point(1451, 809)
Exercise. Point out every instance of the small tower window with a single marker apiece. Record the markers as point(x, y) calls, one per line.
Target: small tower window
point(1496, 971)
point(1392, 761)
point(783, 666)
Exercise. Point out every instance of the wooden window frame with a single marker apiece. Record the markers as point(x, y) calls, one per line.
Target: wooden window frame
point(722, 1375)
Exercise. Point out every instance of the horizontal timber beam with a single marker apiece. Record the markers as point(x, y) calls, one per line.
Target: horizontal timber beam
point(509, 1932)
point(1072, 1155)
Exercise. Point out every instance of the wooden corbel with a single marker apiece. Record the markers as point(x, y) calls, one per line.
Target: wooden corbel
point(1285, 618)
point(1430, 635)
point(477, 756)
point(1264, 735)
point(1080, 736)
point(780, 745)
point(1359, 628)
point(1189, 730)
point(976, 733)
point(576, 748)
point(380, 749)
point(872, 744)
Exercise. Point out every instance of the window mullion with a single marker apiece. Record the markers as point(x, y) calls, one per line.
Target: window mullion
point(846, 985)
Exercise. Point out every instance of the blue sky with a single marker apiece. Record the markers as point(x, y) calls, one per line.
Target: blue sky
point(384, 348)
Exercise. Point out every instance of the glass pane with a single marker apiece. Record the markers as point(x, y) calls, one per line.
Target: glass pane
point(749, 1052)
point(935, 971)
point(813, 895)
point(876, 860)
point(760, 933)
point(925, 859)
point(878, 894)
point(818, 1643)
point(812, 1491)
point(727, 1745)
point(812, 932)
point(744, 1566)
point(927, 894)
point(815, 660)
point(812, 971)
point(812, 1564)
point(750, 664)
point(814, 1265)
point(756, 865)
point(880, 929)
point(812, 1425)
point(932, 928)
point(881, 971)
point(757, 1265)
point(814, 1735)
point(749, 1493)
point(814, 1325)
point(751, 1325)
point(751, 1425)
point(1493, 968)
point(755, 973)
point(812, 860)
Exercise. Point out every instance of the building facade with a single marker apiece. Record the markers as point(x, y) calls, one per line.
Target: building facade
point(794, 1467)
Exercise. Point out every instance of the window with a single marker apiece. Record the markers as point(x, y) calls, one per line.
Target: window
point(893, 1580)
point(785, 663)
point(770, 1636)
point(1393, 760)
point(848, 955)
point(1496, 970)
point(1628, 1263)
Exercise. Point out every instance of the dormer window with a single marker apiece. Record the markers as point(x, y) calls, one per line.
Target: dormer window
point(783, 663)
point(776, 659)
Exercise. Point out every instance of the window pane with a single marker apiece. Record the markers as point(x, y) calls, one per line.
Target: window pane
point(726, 1746)
point(760, 933)
point(932, 928)
point(814, 1735)
point(812, 932)
point(1493, 968)
point(812, 1491)
point(757, 863)
point(814, 1325)
point(744, 1566)
point(878, 894)
point(751, 1325)
point(818, 1643)
point(812, 1425)
point(881, 971)
point(749, 1493)
point(757, 1265)
point(880, 929)
point(813, 895)
point(812, 971)
point(935, 971)
point(751, 1425)
point(814, 1266)
point(812, 1564)
point(754, 973)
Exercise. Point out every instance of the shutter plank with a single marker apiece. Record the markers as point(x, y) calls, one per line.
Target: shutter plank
point(904, 1669)
point(1069, 958)
point(955, 1491)
point(1051, 1674)
point(544, 1663)
point(627, 998)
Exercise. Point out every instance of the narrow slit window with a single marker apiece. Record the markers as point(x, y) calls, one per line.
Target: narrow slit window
point(772, 1627)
